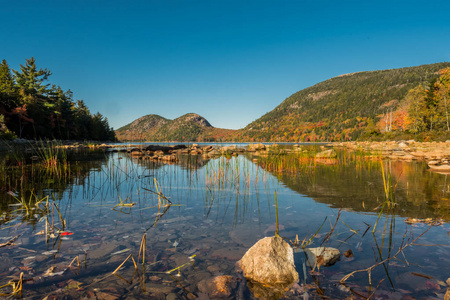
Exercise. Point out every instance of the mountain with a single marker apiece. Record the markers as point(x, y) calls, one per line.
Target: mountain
point(189, 127)
point(352, 106)
point(341, 108)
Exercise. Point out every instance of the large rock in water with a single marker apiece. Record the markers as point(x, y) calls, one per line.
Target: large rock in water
point(270, 262)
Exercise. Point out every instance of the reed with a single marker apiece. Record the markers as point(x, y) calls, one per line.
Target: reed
point(17, 287)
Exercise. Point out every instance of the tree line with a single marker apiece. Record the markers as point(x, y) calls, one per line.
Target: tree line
point(32, 108)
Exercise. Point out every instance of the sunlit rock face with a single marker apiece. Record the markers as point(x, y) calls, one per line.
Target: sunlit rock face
point(269, 267)
point(270, 261)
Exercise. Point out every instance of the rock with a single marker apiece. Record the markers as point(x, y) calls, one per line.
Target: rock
point(172, 296)
point(323, 256)
point(213, 153)
point(244, 235)
point(348, 253)
point(270, 262)
point(232, 254)
point(154, 278)
point(218, 287)
point(136, 153)
point(442, 168)
point(158, 153)
point(447, 293)
point(433, 162)
point(169, 158)
point(262, 291)
point(106, 296)
point(327, 154)
point(256, 147)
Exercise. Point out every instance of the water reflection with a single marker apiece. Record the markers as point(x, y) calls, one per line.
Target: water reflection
point(221, 207)
point(355, 182)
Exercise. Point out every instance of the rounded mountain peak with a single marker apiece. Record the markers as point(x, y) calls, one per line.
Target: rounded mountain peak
point(195, 118)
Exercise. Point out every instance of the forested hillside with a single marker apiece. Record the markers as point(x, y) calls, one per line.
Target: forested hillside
point(32, 108)
point(408, 101)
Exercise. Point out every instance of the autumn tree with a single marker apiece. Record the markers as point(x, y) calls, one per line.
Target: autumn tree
point(442, 95)
point(415, 100)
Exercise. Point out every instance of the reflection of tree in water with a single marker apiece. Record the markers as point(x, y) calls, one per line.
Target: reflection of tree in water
point(357, 183)
point(22, 178)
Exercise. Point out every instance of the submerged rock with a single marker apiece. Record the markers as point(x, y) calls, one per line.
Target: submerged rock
point(270, 262)
point(323, 256)
point(219, 286)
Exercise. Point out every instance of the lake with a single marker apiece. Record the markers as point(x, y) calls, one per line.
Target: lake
point(107, 225)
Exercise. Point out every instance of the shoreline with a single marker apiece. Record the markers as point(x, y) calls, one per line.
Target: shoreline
point(435, 154)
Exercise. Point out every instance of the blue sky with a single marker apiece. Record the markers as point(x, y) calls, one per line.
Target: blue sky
point(229, 61)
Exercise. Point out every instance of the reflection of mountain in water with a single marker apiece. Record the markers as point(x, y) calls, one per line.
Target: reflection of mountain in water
point(358, 185)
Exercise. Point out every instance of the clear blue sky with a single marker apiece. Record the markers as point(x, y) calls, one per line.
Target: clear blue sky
point(229, 61)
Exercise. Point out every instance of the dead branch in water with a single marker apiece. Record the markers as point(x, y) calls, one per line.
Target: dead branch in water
point(405, 243)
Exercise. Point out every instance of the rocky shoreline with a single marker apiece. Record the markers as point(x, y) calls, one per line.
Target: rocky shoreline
point(435, 154)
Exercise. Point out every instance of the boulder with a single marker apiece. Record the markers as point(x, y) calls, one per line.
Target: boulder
point(323, 256)
point(270, 262)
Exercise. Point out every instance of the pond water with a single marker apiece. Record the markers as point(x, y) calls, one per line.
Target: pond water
point(199, 216)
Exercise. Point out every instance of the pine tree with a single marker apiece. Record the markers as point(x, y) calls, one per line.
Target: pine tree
point(31, 80)
point(8, 94)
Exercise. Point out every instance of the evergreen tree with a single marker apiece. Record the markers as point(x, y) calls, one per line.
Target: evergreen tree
point(31, 80)
point(8, 93)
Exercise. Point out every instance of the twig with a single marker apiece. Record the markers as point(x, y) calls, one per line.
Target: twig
point(400, 250)
point(10, 242)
